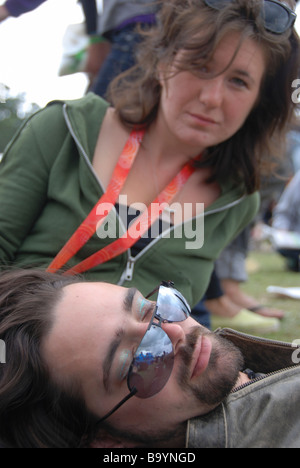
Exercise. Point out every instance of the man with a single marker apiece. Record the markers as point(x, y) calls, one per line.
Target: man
point(131, 372)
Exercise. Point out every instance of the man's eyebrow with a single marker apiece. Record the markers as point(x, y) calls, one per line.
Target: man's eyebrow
point(128, 299)
point(115, 343)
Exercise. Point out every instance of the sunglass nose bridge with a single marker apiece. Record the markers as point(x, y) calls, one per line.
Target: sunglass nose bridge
point(163, 321)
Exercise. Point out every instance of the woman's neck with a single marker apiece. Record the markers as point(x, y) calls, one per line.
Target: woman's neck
point(165, 149)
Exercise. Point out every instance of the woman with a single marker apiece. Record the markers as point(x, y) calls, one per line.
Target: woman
point(211, 90)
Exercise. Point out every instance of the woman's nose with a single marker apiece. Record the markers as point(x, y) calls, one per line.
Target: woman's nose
point(211, 94)
point(176, 334)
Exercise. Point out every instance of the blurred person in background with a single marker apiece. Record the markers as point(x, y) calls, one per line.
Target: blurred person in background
point(114, 35)
point(287, 218)
point(15, 8)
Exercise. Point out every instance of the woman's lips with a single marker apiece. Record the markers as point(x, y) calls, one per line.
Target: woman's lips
point(203, 120)
point(202, 355)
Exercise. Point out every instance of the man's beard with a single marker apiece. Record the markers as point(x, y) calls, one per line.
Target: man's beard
point(217, 381)
point(220, 377)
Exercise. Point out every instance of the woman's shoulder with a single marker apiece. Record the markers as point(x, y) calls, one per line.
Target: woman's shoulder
point(53, 115)
point(88, 106)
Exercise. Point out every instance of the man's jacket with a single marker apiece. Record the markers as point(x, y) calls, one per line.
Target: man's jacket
point(262, 414)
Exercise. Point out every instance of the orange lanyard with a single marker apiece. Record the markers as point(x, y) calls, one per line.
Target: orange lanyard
point(92, 222)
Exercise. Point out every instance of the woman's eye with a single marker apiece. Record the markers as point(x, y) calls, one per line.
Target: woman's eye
point(200, 71)
point(204, 69)
point(239, 82)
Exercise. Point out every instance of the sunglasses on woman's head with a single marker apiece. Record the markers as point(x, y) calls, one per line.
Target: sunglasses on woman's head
point(277, 17)
point(152, 363)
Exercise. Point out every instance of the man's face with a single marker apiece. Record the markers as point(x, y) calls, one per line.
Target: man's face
point(97, 329)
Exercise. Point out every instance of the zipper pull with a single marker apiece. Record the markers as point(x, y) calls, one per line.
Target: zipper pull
point(129, 270)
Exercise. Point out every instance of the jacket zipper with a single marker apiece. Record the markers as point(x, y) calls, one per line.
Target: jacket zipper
point(262, 377)
point(129, 269)
point(128, 272)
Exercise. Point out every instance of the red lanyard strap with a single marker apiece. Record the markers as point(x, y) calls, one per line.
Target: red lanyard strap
point(145, 220)
point(88, 227)
point(93, 220)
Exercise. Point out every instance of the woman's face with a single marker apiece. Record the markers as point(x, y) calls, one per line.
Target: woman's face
point(201, 112)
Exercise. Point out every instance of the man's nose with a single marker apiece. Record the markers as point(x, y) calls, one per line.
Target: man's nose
point(176, 334)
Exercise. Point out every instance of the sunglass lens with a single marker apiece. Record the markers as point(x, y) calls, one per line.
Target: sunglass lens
point(276, 18)
point(171, 305)
point(152, 364)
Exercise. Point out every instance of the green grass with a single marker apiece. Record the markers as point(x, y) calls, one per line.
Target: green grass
point(266, 269)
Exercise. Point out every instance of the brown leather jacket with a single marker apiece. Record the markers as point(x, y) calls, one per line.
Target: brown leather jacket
point(262, 414)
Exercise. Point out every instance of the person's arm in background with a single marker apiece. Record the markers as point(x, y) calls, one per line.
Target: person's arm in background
point(99, 47)
point(16, 8)
point(4, 13)
point(91, 15)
